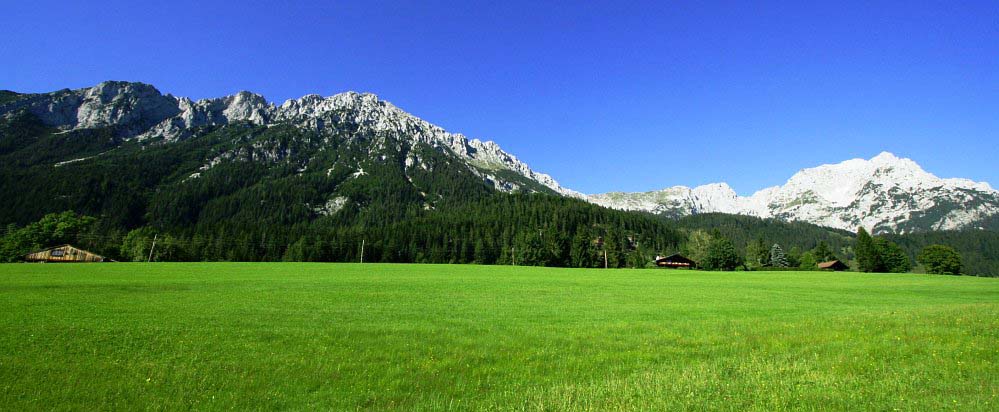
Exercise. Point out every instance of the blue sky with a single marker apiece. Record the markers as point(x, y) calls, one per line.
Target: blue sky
point(614, 96)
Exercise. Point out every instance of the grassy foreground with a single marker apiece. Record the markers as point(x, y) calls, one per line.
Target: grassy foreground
point(208, 336)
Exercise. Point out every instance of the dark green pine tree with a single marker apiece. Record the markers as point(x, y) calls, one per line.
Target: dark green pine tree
point(612, 247)
point(295, 251)
point(581, 254)
point(892, 258)
point(822, 253)
point(757, 254)
point(763, 252)
point(480, 255)
point(867, 253)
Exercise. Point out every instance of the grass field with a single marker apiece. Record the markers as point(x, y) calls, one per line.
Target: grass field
point(208, 336)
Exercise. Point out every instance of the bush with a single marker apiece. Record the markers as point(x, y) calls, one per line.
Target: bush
point(940, 259)
point(51, 230)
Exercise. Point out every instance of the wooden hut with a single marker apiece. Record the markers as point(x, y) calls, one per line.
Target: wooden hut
point(675, 261)
point(834, 265)
point(63, 253)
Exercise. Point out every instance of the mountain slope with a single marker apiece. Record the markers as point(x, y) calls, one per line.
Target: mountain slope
point(885, 194)
point(239, 179)
point(138, 111)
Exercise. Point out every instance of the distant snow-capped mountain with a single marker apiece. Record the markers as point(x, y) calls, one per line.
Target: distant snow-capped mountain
point(883, 194)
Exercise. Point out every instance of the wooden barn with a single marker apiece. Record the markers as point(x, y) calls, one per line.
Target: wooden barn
point(834, 265)
point(675, 261)
point(63, 253)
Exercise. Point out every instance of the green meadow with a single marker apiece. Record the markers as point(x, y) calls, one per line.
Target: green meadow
point(289, 336)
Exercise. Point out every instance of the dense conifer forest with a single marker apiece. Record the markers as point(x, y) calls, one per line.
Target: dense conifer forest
point(284, 194)
point(250, 193)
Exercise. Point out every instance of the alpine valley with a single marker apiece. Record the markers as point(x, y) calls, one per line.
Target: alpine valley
point(240, 178)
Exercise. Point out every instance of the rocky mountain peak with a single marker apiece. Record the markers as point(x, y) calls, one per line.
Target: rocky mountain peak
point(885, 193)
point(885, 157)
point(108, 91)
point(246, 106)
point(140, 111)
point(130, 107)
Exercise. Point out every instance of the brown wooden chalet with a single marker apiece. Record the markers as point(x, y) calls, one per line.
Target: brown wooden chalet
point(63, 253)
point(834, 265)
point(675, 261)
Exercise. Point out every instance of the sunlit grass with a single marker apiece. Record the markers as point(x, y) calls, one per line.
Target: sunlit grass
point(409, 337)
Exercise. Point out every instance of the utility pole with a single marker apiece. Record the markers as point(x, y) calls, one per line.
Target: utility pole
point(513, 250)
point(362, 250)
point(605, 258)
point(151, 248)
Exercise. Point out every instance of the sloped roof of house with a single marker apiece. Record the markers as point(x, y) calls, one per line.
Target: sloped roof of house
point(676, 257)
point(66, 247)
point(831, 264)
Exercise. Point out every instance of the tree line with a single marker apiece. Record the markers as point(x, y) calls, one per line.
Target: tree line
point(573, 235)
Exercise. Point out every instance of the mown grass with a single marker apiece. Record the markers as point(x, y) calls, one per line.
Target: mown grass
point(209, 336)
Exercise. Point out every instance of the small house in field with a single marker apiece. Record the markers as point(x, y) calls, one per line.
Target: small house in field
point(63, 253)
point(675, 261)
point(834, 265)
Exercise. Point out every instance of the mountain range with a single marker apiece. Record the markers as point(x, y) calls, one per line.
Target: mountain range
point(139, 111)
point(885, 194)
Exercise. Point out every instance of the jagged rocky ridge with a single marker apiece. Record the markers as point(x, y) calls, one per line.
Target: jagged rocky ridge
point(885, 194)
point(139, 111)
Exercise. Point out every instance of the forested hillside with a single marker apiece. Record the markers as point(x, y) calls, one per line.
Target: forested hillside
point(743, 230)
point(979, 249)
point(250, 193)
point(264, 192)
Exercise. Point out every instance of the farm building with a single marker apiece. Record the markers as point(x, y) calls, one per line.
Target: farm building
point(834, 265)
point(63, 253)
point(675, 260)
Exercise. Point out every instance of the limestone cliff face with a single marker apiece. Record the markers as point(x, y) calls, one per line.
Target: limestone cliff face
point(139, 111)
point(133, 107)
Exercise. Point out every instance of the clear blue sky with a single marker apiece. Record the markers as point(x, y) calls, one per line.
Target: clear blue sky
point(618, 96)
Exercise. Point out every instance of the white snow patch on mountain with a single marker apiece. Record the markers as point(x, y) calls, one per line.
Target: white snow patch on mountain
point(883, 194)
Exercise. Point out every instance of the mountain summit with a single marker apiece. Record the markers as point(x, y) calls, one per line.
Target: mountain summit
point(138, 111)
point(883, 194)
